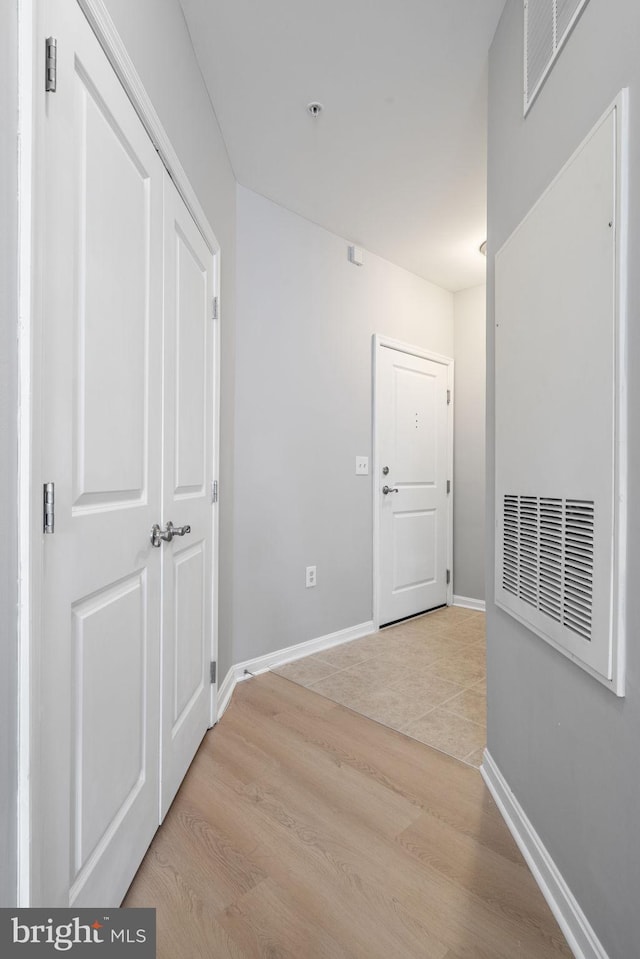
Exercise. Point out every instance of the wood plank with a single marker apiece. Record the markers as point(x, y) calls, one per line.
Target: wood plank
point(503, 885)
point(305, 830)
point(386, 810)
point(438, 783)
point(323, 878)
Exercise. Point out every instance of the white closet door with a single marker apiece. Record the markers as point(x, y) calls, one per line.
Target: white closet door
point(97, 771)
point(187, 476)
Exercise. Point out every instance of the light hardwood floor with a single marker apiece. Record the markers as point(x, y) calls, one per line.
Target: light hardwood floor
point(425, 677)
point(305, 830)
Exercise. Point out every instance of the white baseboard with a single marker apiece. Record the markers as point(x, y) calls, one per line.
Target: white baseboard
point(469, 603)
point(582, 940)
point(261, 664)
point(226, 688)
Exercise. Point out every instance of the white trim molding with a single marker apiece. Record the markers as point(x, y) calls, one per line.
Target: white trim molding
point(468, 603)
point(262, 664)
point(577, 930)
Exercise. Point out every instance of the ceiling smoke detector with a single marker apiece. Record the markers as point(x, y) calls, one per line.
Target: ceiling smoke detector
point(314, 109)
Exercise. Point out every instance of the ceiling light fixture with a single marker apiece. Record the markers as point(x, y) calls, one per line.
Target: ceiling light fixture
point(483, 247)
point(314, 109)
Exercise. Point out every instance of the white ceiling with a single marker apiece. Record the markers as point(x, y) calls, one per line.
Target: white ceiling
point(396, 162)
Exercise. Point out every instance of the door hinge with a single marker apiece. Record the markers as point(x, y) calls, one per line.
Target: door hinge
point(448, 397)
point(212, 673)
point(448, 576)
point(51, 65)
point(214, 491)
point(214, 314)
point(448, 486)
point(48, 508)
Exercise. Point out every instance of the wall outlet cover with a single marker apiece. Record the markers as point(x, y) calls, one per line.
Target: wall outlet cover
point(362, 465)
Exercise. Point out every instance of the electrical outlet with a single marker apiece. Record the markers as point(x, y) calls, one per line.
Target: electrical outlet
point(311, 577)
point(362, 465)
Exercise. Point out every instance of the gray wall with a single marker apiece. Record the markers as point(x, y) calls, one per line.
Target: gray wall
point(303, 412)
point(8, 447)
point(158, 42)
point(568, 748)
point(469, 442)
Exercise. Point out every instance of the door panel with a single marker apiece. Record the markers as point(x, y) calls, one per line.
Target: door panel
point(113, 240)
point(411, 409)
point(193, 297)
point(188, 472)
point(189, 632)
point(415, 549)
point(110, 650)
point(413, 428)
point(98, 764)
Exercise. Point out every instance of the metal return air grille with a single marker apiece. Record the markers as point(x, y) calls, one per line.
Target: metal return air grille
point(547, 24)
point(548, 555)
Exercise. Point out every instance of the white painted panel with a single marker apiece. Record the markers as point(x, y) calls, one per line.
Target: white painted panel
point(113, 308)
point(189, 635)
point(110, 643)
point(557, 407)
point(413, 564)
point(416, 433)
point(190, 344)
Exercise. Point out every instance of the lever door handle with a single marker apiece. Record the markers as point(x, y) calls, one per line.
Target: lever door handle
point(176, 530)
point(388, 489)
point(158, 535)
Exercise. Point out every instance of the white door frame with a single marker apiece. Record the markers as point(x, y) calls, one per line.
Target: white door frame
point(386, 342)
point(31, 421)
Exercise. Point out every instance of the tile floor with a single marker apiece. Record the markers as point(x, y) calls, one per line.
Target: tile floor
point(424, 677)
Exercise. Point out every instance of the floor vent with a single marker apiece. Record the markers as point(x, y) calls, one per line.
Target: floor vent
point(548, 557)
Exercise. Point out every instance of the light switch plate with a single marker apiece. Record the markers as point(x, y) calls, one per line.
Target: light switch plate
point(362, 465)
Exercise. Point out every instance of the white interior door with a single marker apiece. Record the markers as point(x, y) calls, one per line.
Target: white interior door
point(128, 437)
point(411, 485)
point(187, 491)
point(97, 769)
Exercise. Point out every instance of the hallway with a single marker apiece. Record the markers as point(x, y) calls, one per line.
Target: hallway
point(304, 830)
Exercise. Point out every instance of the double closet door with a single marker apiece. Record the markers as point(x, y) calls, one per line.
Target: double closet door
point(124, 695)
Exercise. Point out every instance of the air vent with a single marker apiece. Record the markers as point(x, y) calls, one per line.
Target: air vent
point(561, 419)
point(539, 36)
point(566, 12)
point(551, 559)
point(547, 24)
point(548, 557)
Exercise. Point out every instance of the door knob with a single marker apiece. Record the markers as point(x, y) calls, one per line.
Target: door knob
point(158, 534)
point(388, 489)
